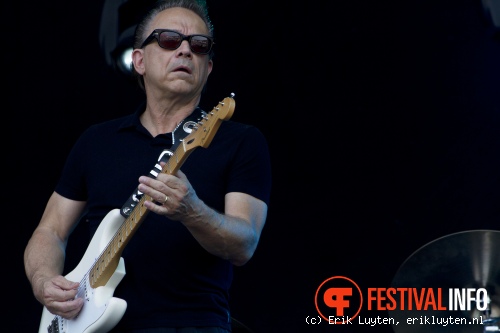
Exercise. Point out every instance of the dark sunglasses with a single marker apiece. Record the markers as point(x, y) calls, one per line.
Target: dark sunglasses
point(171, 40)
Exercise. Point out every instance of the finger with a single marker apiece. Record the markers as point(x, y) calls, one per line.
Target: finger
point(154, 188)
point(68, 309)
point(55, 295)
point(162, 202)
point(155, 207)
point(65, 284)
point(181, 175)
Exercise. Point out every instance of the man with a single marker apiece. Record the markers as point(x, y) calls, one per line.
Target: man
point(202, 219)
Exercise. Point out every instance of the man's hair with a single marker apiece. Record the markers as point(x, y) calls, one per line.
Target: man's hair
point(199, 7)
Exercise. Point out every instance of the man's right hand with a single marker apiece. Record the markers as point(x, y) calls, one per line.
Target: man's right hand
point(58, 296)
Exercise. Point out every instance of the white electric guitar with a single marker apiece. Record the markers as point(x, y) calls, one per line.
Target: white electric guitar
point(102, 267)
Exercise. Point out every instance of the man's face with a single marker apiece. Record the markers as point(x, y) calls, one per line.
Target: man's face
point(178, 71)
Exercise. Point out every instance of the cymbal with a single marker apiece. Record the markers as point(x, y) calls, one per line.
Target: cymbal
point(469, 259)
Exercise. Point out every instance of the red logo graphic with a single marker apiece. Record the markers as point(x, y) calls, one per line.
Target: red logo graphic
point(338, 300)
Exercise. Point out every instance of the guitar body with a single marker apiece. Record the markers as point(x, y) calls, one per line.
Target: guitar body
point(101, 311)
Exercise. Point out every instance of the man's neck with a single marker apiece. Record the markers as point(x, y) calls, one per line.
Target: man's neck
point(160, 119)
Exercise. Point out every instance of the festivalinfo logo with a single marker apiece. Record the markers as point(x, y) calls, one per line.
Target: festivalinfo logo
point(339, 300)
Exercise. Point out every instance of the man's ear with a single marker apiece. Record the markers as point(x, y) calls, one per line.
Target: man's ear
point(210, 66)
point(138, 60)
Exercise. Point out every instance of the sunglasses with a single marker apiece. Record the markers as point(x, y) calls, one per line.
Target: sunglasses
point(171, 40)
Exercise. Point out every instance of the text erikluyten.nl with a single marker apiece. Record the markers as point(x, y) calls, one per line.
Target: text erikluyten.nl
point(443, 321)
point(420, 320)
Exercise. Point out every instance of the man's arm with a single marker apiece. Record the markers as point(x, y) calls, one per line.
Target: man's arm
point(232, 235)
point(45, 253)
